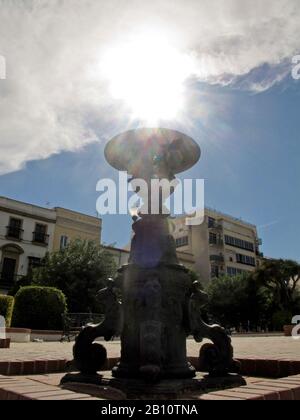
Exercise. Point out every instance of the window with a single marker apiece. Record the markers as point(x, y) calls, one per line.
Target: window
point(245, 259)
point(14, 229)
point(232, 271)
point(212, 238)
point(239, 243)
point(33, 262)
point(183, 241)
point(64, 242)
point(215, 272)
point(9, 267)
point(40, 234)
point(217, 258)
point(211, 222)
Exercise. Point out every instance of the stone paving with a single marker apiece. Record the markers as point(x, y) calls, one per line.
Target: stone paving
point(245, 347)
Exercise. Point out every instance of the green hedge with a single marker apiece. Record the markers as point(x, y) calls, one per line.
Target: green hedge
point(6, 308)
point(39, 308)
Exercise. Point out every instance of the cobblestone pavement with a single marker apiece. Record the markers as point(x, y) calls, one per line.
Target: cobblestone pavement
point(258, 347)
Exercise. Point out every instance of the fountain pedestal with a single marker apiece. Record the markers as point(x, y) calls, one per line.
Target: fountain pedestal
point(155, 293)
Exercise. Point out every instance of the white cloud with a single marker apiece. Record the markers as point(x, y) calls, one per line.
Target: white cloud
point(53, 94)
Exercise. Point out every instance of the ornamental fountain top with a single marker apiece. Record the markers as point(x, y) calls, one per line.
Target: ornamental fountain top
point(152, 152)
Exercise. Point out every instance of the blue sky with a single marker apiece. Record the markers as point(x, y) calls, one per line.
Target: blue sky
point(250, 163)
point(69, 88)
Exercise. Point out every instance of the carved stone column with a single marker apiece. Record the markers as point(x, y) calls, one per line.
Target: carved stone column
point(155, 297)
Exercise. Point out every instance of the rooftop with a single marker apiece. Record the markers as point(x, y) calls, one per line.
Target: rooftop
point(236, 219)
point(221, 214)
point(7, 203)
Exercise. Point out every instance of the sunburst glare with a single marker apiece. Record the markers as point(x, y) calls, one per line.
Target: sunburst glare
point(147, 73)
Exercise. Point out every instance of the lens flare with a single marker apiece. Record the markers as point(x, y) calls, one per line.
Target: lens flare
point(147, 73)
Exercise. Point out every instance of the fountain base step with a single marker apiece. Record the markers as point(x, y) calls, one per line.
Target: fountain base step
point(166, 389)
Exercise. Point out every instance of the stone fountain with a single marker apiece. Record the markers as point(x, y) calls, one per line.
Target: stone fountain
point(153, 302)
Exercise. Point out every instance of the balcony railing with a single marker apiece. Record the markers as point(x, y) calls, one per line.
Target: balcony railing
point(13, 232)
point(217, 258)
point(218, 242)
point(215, 225)
point(40, 238)
point(260, 254)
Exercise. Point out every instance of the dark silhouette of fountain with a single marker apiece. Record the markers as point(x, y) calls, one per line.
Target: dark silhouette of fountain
point(153, 302)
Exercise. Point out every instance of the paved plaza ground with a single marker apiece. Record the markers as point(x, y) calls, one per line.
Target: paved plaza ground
point(245, 347)
point(281, 359)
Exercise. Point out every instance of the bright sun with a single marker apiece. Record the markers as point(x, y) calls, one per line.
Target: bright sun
point(148, 75)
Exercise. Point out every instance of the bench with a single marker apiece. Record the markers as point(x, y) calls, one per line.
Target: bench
point(74, 322)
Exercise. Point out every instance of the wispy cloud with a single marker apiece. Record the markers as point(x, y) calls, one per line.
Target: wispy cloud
point(54, 97)
point(268, 225)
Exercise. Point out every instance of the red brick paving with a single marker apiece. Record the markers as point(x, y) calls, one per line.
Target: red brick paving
point(272, 357)
point(280, 390)
point(45, 387)
point(27, 389)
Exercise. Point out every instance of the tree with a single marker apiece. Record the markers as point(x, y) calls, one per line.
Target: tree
point(281, 277)
point(268, 297)
point(236, 301)
point(80, 270)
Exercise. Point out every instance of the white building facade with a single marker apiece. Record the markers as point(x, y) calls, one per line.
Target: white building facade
point(26, 235)
point(221, 245)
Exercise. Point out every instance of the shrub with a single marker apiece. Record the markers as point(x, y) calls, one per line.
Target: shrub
point(24, 281)
point(6, 308)
point(39, 308)
point(80, 270)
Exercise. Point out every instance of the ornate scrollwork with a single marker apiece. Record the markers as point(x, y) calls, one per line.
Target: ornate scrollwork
point(90, 357)
point(216, 358)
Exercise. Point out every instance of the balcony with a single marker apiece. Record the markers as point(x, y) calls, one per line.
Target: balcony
point(217, 258)
point(40, 238)
point(215, 225)
point(15, 233)
point(218, 242)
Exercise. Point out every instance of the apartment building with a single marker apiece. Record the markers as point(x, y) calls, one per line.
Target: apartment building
point(71, 225)
point(28, 232)
point(121, 257)
point(222, 244)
